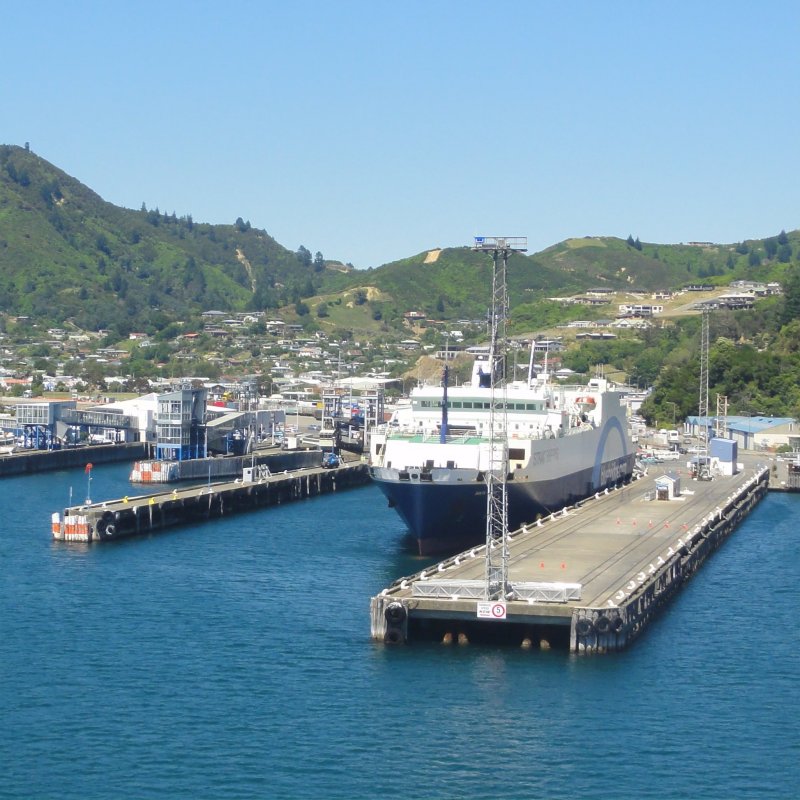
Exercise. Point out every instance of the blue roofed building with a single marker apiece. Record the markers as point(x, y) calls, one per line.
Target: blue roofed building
point(751, 433)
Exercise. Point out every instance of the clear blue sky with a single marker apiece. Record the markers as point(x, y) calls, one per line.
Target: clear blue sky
point(374, 130)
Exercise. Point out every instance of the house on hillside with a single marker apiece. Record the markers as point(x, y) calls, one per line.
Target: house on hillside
point(736, 300)
point(640, 309)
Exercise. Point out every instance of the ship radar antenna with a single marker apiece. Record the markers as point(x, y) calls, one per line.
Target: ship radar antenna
point(500, 248)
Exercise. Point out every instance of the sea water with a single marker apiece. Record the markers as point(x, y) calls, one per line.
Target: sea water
point(232, 659)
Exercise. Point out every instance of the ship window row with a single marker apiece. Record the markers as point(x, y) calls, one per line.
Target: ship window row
point(479, 404)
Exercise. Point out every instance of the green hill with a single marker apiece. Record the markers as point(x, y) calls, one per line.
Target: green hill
point(66, 254)
point(616, 263)
point(457, 283)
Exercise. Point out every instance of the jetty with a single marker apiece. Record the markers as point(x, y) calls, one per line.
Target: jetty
point(588, 578)
point(257, 488)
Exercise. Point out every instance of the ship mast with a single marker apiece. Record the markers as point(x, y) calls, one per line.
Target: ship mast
point(496, 586)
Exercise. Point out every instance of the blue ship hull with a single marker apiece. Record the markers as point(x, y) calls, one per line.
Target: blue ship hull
point(447, 513)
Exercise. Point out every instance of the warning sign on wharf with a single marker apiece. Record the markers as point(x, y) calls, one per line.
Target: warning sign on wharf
point(491, 610)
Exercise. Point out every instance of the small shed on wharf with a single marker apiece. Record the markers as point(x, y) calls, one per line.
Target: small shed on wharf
point(668, 486)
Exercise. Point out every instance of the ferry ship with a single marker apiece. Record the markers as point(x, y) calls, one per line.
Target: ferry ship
point(431, 460)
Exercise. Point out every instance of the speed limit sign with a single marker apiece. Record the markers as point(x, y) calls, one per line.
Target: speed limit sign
point(491, 610)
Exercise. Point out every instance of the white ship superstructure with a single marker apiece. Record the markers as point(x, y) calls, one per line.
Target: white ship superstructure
point(564, 443)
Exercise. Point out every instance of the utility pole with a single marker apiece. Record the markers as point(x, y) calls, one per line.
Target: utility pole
point(500, 248)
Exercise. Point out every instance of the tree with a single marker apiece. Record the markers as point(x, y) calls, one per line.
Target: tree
point(791, 296)
point(637, 244)
point(102, 244)
point(319, 262)
point(301, 309)
point(771, 247)
point(304, 256)
point(629, 241)
point(784, 253)
point(322, 310)
point(754, 259)
point(783, 238)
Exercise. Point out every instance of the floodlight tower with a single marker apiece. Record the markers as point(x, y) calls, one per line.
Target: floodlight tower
point(721, 421)
point(702, 410)
point(500, 248)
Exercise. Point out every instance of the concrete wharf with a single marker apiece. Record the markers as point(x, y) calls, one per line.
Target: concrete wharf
point(143, 514)
point(28, 461)
point(590, 577)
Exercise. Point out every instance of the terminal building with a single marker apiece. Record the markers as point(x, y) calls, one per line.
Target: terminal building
point(178, 425)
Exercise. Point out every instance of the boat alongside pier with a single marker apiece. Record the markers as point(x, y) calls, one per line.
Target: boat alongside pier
point(588, 578)
point(218, 467)
point(258, 488)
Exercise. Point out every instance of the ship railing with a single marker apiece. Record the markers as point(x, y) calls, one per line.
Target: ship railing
point(534, 591)
point(428, 437)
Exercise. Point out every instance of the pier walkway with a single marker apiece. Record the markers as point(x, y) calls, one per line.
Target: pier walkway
point(133, 516)
point(589, 577)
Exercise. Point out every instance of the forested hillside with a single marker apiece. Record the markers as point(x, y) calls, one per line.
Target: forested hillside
point(754, 359)
point(66, 254)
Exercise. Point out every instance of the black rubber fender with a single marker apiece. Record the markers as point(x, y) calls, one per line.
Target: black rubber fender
point(110, 530)
point(102, 524)
point(617, 624)
point(393, 636)
point(602, 624)
point(583, 627)
point(395, 613)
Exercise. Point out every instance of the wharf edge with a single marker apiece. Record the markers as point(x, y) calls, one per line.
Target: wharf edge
point(28, 461)
point(640, 552)
point(143, 514)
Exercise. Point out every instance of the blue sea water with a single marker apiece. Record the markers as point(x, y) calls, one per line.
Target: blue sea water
point(233, 660)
